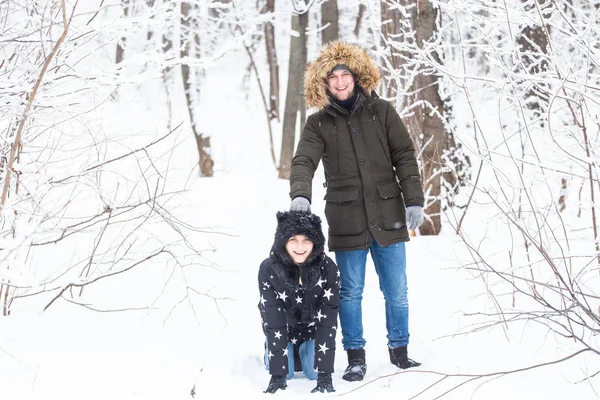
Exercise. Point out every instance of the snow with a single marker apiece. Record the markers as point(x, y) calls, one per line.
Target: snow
point(170, 326)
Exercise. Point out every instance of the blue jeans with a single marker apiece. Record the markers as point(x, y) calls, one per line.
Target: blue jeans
point(390, 265)
point(307, 356)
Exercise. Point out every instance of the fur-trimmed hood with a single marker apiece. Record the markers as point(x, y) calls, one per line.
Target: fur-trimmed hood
point(361, 64)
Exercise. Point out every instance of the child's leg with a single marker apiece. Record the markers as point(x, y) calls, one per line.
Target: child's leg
point(307, 355)
point(290, 349)
point(290, 355)
point(266, 357)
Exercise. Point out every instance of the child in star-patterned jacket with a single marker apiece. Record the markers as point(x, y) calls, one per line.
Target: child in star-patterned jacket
point(299, 301)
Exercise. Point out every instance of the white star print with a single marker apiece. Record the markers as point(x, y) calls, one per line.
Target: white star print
point(323, 348)
point(283, 295)
point(311, 324)
point(327, 293)
point(266, 284)
point(320, 282)
point(270, 355)
point(338, 273)
point(277, 335)
point(294, 340)
point(262, 300)
point(319, 316)
point(285, 351)
point(298, 300)
point(317, 369)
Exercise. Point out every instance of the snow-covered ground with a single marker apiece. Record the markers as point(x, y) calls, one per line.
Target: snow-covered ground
point(165, 330)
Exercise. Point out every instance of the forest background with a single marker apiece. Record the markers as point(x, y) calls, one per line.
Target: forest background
point(145, 146)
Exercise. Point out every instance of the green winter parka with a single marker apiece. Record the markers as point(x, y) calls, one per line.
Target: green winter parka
point(371, 170)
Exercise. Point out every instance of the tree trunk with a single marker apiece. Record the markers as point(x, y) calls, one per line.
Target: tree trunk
point(166, 39)
point(533, 45)
point(120, 45)
point(424, 124)
point(361, 12)
point(150, 34)
point(433, 133)
point(292, 97)
point(303, 22)
point(330, 17)
point(392, 31)
point(190, 89)
point(273, 64)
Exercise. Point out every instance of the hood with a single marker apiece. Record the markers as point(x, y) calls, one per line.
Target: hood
point(360, 63)
point(290, 223)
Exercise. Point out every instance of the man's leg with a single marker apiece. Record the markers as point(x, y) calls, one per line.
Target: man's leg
point(352, 266)
point(390, 264)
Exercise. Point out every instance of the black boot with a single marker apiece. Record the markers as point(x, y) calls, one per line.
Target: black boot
point(297, 360)
point(357, 366)
point(399, 357)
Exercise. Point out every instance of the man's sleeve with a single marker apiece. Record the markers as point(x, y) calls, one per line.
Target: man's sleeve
point(404, 159)
point(306, 160)
point(274, 323)
point(326, 321)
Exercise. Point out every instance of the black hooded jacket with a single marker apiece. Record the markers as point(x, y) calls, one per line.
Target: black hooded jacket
point(294, 312)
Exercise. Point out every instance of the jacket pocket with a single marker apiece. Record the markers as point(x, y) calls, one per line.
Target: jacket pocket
point(391, 206)
point(345, 212)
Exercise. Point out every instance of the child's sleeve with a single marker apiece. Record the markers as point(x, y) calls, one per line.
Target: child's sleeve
point(326, 320)
point(272, 313)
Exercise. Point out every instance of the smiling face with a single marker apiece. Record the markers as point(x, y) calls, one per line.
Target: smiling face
point(340, 84)
point(299, 248)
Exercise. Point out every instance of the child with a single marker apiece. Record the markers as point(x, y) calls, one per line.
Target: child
point(299, 301)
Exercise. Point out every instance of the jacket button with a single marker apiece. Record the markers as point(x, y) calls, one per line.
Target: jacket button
point(372, 226)
point(361, 161)
point(353, 129)
point(368, 194)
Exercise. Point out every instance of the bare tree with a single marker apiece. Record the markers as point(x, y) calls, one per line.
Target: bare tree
point(125, 5)
point(533, 50)
point(188, 51)
point(361, 12)
point(272, 61)
point(407, 36)
point(74, 183)
point(330, 16)
point(294, 94)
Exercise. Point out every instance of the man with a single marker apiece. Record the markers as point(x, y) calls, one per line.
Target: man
point(371, 173)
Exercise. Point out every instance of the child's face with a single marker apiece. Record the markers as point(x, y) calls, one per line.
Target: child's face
point(299, 248)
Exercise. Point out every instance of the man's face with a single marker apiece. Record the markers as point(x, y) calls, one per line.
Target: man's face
point(299, 248)
point(340, 84)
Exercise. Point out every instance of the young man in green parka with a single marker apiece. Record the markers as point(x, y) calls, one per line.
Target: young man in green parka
point(374, 192)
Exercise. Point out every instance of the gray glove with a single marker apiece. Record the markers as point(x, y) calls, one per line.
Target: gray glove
point(414, 217)
point(300, 204)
